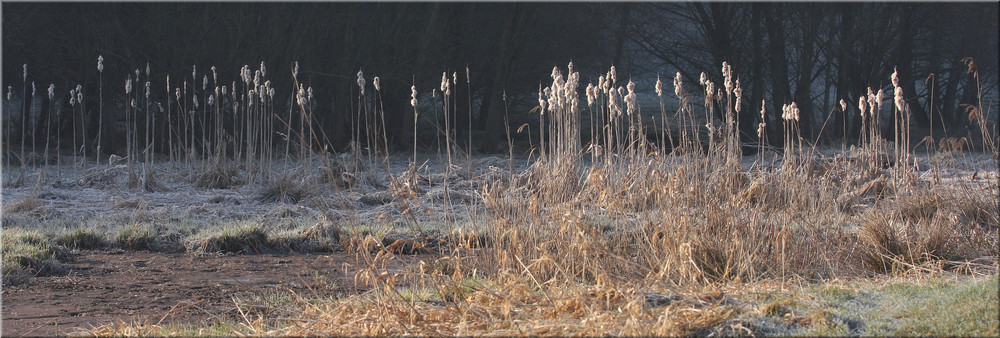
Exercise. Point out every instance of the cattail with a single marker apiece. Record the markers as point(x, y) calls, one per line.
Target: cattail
point(301, 96)
point(177, 93)
point(413, 96)
point(72, 97)
point(678, 85)
point(263, 70)
point(215, 76)
point(895, 77)
point(52, 90)
point(9, 90)
point(862, 105)
point(739, 95)
point(445, 88)
point(147, 89)
point(659, 86)
point(454, 78)
point(361, 81)
point(195, 101)
point(194, 72)
point(703, 79)
point(899, 98)
point(100, 63)
point(794, 109)
point(760, 129)
point(377, 84)
point(270, 92)
point(467, 75)
point(873, 104)
point(843, 105)
point(763, 109)
point(630, 101)
point(879, 98)
point(224, 91)
point(309, 94)
point(727, 73)
point(295, 70)
point(590, 94)
point(204, 83)
point(25, 72)
point(137, 74)
point(211, 99)
point(613, 77)
point(541, 101)
point(128, 85)
point(32, 88)
point(79, 88)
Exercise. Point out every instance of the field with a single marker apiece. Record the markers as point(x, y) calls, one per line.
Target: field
point(623, 234)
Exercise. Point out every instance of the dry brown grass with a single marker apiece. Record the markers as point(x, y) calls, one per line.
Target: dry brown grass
point(574, 249)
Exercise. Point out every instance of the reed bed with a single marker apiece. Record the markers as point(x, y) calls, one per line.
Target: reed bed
point(620, 234)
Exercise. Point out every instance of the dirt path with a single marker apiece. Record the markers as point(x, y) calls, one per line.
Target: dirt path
point(101, 287)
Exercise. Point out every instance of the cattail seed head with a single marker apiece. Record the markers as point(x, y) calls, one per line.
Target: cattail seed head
point(678, 85)
point(194, 72)
point(52, 90)
point(256, 79)
point(309, 94)
point(159, 106)
point(211, 99)
point(25, 72)
point(763, 109)
point(9, 90)
point(843, 105)
point(147, 69)
point(454, 78)
point(263, 70)
point(445, 87)
point(614, 75)
point(899, 99)
point(295, 70)
point(659, 86)
point(100, 63)
point(413, 96)
point(128, 85)
point(270, 92)
point(541, 100)
point(32, 88)
point(225, 91)
point(361, 81)
point(301, 95)
point(895, 77)
point(72, 97)
point(147, 89)
point(377, 84)
point(703, 79)
point(467, 80)
point(177, 93)
point(590, 94)
point(862, 105)
point(195, 101)
point(215, 76)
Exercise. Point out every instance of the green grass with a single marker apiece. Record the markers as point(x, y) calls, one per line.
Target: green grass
point(81, 239)
point(26, 253)
point(965, 306)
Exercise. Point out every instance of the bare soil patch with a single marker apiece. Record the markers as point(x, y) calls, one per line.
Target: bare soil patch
point(101, 287)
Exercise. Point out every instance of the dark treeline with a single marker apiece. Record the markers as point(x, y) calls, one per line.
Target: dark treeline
point(814, 54)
